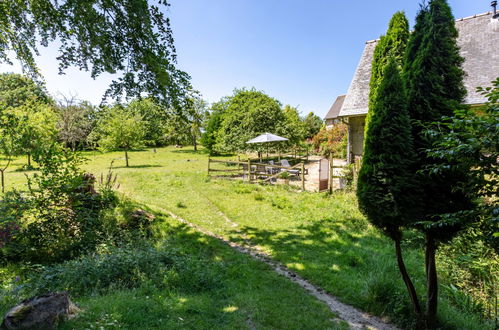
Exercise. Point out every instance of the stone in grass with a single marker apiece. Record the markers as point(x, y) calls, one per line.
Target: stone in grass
point(40, 312)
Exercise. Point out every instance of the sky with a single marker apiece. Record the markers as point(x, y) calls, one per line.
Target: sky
point(301, 52)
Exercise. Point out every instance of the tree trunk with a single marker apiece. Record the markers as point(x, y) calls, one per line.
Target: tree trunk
point(194, 143)
point(126, 156)
point(29, 160)
point(431, 282)
point(3, 180)
point(407, 280)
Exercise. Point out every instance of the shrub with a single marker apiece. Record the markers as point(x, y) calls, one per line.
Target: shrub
point(61, 215)
point(127, 267)
point(332, 141)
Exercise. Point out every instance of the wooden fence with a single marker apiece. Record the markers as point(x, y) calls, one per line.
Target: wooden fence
point(254, 171)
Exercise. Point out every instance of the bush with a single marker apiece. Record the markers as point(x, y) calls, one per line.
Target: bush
point(62, 216)
point(128, 267)
point(332, 141)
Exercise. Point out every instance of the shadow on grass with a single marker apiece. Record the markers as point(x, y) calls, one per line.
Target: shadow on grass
point(137, 166)
point(189, 151)
point(346, 259)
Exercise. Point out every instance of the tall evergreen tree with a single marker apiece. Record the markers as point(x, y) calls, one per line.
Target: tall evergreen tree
point(390, 46)
point(386, 174)
point(434, 81)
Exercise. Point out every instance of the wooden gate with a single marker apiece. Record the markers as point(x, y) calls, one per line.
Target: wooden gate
point(323, 174)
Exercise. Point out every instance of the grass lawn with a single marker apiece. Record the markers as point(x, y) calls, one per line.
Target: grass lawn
point(323, 238)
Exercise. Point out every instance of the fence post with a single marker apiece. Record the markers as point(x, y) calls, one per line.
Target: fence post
point(209, 161)
point(331, 173)
point(303, 176)
point(238, 163)
point(249, 169)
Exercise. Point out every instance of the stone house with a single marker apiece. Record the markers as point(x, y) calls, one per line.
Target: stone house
point(479, 46)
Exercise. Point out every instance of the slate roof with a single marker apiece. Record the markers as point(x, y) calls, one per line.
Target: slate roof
point(479, 44)
point(334, 111)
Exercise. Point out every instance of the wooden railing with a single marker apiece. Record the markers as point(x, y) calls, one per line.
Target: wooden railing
point(257, 171)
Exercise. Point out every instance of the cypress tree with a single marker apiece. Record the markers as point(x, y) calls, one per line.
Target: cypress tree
point(434, 82)
point(386, 174)
point(391, 45)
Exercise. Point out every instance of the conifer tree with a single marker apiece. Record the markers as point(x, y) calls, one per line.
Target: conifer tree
point(386, 174)
point(391, 45)
point(434, 82)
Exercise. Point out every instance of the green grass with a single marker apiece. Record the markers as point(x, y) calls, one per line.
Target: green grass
point(323, 238)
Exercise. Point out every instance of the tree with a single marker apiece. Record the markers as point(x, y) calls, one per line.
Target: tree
point(7, 149)
point(293, 125)
point(213, 124)
point(386, 176)
point(121, 129)
point(249, 114)
point(313, 125)
point(196, 116)
point(20, 100)
point(154, 117)
point(34, 124)
point(76, 119)
point(130, 38)
point(390, 46)
point(434, 82)
point(468, 141)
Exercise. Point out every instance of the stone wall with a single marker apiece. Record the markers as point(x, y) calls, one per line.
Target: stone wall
point(356, 136)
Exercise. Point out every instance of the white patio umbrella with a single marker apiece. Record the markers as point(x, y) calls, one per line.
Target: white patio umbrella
point(266, 138)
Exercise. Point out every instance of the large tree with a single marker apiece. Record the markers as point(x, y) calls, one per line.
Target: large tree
point(132, 39)
point(434, 82)
point(386, 177)
point(249, 114)
point(16, 89)
point(390, 46)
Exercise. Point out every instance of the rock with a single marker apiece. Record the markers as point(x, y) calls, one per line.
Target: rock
point(40, 312)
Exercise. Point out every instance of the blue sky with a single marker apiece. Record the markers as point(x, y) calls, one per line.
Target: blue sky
point(301, 52)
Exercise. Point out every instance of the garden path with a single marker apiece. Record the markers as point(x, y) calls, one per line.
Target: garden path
point(355, 318)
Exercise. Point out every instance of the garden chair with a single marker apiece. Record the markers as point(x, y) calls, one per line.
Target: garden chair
point(285, 163)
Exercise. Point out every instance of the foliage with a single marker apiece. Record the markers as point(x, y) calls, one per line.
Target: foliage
point(130, 38)
point(471, 264)
point(76, 120)
point(385, 175)
point(390, 46)
point(468, 143)
point(121, 129)
point(249, 114)
point(196, 114)
point(332, 141)
point(294, 127)
point(34, 124)
point(434, 83)
point(154, 117)
point(16, 89)
point(213, 123)
point(178, 130)
point(313, 125)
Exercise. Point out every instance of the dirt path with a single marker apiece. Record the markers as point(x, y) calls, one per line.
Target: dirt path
point(355, 318)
